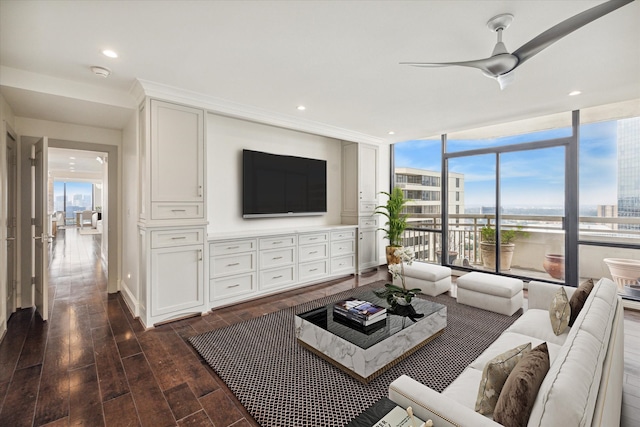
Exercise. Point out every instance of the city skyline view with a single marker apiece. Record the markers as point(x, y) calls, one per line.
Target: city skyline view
point(528, 178)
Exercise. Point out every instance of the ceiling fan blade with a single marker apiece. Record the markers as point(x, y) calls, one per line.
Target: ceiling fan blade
point(492, 66)
point(564, 28)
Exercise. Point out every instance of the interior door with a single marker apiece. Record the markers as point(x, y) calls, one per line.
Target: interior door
point(12, 221)
point(40, 229)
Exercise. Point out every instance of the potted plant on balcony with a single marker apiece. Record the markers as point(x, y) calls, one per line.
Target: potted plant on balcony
point(396, 222)
point(488, 246)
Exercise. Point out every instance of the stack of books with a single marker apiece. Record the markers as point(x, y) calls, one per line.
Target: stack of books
point(361, 312)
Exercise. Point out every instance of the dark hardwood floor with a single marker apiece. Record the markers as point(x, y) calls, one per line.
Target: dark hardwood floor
point(92, 364)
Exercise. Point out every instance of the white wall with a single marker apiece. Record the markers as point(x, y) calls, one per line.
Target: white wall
point(66, 131)
point(130, 283)
point(227, 137)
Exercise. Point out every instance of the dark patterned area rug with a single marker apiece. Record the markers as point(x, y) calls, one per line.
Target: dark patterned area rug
point(282, 384)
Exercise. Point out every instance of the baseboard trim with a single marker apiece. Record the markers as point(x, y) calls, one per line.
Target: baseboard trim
point(130, 300)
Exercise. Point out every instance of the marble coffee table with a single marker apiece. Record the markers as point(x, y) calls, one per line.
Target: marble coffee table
point(366, 354)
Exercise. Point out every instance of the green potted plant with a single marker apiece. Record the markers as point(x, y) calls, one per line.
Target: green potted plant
point(507, 245)
point(396, 222)
point(394, 294)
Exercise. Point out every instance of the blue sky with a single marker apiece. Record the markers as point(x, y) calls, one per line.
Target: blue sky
point(529, 178)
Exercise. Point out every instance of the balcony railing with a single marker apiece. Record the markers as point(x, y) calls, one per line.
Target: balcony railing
point(544, 235)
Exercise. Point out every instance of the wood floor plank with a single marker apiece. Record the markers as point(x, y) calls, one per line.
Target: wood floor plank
point(12, 344)
point(153, 409)
point(199, 419)
point(34, 345)
point(121, 412)
point(85, 404)
point(182, 401)
point(164, 368)
point(20, 402)
point(112, 379)
point(220, 408)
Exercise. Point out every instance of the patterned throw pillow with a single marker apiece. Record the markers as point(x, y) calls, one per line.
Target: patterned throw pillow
point(494, 375)
point(559, 311)
point(521, 388)
point(578, 299)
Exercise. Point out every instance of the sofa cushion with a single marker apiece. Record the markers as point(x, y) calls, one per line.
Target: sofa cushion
point(519, 392)
point(494, 375)
point(568, 394)
point(559, 312)
point(509, 340)
point(578, 299)
point(464, 389)
point(535, 323)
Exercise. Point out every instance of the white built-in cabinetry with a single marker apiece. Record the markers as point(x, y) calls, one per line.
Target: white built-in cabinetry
point(248, 266)
point(172, 220)
point(360, 198)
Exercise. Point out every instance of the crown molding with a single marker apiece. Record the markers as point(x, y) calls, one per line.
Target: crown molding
point(231, 109)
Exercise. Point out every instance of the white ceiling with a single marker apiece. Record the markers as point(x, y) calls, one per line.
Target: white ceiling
point(338, 58)
point(75, 164)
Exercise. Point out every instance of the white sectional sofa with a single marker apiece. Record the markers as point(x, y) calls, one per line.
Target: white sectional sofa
point(583, 386)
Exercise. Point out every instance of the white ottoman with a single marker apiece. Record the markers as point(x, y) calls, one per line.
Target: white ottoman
point(490, 292)
point(430, 278)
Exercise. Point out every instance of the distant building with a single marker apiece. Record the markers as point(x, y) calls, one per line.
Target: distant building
point(423, 190)
point(628, 171)
point(607, 211)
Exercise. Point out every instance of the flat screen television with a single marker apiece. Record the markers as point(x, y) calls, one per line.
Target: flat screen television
point(278, 185)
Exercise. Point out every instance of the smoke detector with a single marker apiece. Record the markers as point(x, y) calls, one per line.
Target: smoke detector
point(101, 71)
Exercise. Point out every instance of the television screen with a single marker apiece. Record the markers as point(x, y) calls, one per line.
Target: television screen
point(278, 185)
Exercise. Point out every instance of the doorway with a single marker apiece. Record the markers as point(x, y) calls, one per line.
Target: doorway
point(109, 154)
point(9, 218)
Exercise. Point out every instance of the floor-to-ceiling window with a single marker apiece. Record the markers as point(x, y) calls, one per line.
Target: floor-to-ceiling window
point(562, 194)
point(70, 197)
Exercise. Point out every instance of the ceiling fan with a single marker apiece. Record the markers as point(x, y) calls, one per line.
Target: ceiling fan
point(502, 64)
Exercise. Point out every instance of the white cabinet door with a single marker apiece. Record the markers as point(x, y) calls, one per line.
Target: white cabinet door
point(367, 248)
point(177, 280)
point(368, 171)
point(177, 153)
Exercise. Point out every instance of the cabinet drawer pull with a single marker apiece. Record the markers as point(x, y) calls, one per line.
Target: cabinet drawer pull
point(341, 264)
point(314, 269)
point(313, 238)
point(233, 286)
point(179, 238)
point(277, 243)
point(232, 247)
point(277, 277)
point(232, 264)
point(178, 210)
point(313, 252)
point(278, 257)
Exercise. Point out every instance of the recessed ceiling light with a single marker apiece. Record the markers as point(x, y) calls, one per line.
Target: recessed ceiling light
point(72, 158)
point(109, 53)
point(301, 107)
point(101, 71)
point(71, 163)
point(574, 93)
point(391, 132)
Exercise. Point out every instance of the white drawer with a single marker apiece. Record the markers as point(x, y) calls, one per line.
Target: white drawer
point(367, 207)
point(169, 238)
point(176, 210)
point(368, 222)
point(310, 270)
point(344, 264)
point(312, 238)
point(343, 234)
point(231, 286)
point(232, 264)
point(278, 242)
point(312, 252)
point(343, 247)
point(277, 277)
point(277, 257)
point(232, 247)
